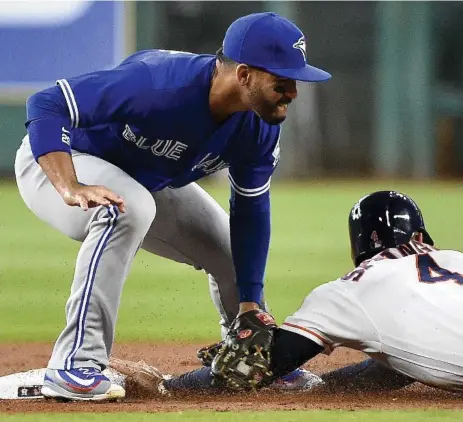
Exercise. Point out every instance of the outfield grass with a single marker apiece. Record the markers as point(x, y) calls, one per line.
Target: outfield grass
point(294, 416)
point(162, 299)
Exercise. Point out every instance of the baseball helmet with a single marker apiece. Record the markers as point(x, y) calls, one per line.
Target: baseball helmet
point(383, 220)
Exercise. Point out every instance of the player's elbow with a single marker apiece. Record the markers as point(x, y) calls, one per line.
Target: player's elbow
point(46, 103)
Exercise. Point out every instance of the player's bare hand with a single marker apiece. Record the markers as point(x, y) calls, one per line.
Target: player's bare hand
point(140, 375)
point(92, 196)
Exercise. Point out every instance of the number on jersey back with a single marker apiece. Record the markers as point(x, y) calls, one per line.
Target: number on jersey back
point(430, 272)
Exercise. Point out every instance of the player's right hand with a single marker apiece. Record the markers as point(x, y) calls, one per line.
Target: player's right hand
point(91, 196)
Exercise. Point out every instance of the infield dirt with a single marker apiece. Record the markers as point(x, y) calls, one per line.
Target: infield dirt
point(178, 358)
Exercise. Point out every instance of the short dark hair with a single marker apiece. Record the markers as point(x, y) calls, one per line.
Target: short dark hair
point(222, 58)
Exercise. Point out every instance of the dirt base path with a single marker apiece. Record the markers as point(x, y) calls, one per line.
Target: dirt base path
point(178, 359)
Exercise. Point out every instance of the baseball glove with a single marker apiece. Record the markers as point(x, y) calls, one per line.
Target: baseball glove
point(207, 354)
point(243, 361)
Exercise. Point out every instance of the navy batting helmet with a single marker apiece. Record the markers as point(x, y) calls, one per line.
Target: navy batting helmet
point(383, 220)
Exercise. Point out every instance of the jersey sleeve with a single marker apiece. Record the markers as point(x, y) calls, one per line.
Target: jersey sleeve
point(250, 175)
point(331, 317)
point(250, 212)
point(107, 95)
point(86, 101)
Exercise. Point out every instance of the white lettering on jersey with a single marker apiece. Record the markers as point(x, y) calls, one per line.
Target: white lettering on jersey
point(65, 136)
point(167, 148)
point(210, 166)
point(128, 134)
point(176, 150)
point(160, 147)
point(140, 142)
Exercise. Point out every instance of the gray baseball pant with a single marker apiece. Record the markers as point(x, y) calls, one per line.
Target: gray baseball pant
point(185, 225)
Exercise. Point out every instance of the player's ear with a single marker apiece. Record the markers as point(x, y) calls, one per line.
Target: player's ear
point(242, 74)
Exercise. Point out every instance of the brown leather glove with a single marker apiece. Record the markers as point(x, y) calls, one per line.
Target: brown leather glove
point(243, 361)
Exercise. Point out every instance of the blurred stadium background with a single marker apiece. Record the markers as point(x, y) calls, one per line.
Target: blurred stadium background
point(391, 117)
point(393, 108)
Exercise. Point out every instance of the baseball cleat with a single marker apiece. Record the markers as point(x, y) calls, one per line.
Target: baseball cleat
point(80, 384)
point(298, 380)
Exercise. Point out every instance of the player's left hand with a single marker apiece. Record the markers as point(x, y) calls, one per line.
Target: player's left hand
point(243, 362)
point(142, 376)
point(91, 196)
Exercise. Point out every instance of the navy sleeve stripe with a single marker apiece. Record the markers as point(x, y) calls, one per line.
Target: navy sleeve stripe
point(249, 192)
point(70, 101)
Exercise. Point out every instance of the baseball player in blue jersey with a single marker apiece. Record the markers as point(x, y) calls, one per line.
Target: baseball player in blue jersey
point(110, 159)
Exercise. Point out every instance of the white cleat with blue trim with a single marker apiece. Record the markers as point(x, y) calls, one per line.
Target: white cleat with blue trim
point(80, 384)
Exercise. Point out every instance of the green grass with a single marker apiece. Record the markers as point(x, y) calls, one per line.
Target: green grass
point(163, 300)
point(295, 416)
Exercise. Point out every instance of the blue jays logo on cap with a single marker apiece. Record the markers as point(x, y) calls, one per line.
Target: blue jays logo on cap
point(300, 45)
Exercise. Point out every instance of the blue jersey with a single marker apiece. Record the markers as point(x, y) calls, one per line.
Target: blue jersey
point(150, 116)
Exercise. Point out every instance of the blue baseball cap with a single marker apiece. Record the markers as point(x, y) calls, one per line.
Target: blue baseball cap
point(273, 43)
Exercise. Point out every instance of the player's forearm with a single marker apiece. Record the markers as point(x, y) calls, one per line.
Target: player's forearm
point(250, 238)
point(48, 126)
point(290, 351)
point(60, 171)
point(368, 375)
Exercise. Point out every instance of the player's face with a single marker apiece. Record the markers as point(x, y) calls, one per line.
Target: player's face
point(270, 95)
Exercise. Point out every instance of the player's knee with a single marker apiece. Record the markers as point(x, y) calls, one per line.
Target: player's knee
point(140, 213)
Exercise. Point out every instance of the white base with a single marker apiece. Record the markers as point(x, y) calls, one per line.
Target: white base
point(9, 384)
